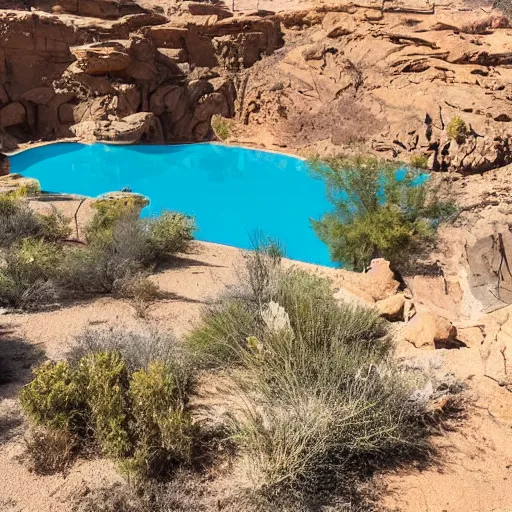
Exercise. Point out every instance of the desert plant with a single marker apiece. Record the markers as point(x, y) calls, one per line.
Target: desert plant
point(137, 348)
point(50, 450)
point(224, 328)
point(139, 289)
point(27, 278)
point(110, 211)
point(19, 221)
point(457, 129)
point(170, 233)
point(54, 399)
point(163, 427)
point(104, 378)
point(419, 161)
point(221, 127)
point(381, 209)
point(122, 247)
point(321, 386)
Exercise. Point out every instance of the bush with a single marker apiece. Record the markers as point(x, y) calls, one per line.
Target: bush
point(104, 378)
point(457, 130)
point(137, 349)
point(128, 400)
point(321, 386)
point(164, 428)
point(221, 128)
point(419, 161)
point(50, 451)
point(381, 209)
point(28, 276)
point(19, 221)
point(54, 399)
point(139, 289)
point(170, 233)
point(224, 329)
point(127, 247)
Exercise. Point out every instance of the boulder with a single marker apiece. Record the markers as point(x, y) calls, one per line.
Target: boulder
point(380, 279)
point(13, 114)
point(101, 58)
point(392, 308)
point(428, 330)
point(143, 126)
point(276, 318)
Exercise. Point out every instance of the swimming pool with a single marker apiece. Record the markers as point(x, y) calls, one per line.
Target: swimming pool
point(231, 191)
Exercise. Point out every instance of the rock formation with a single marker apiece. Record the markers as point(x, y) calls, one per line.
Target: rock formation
point(129, 74)
point(393, 78)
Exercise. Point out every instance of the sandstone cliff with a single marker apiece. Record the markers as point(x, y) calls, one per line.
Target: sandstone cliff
point(133, 74)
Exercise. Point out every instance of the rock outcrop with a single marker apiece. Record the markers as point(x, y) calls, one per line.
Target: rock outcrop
point(127, 74)
point(392, 78)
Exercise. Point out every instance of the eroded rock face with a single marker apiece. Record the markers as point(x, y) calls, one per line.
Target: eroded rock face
point(392, 79)
point(129, 74)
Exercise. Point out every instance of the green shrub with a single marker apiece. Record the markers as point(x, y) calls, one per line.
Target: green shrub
point(381, 209)
point(127, 399)
point(457, 129)
point(223, 330)
point(54, 398)
point(419, 161)
point(163, 427)
point(221, 127)
point(321, 386)
point(170, 233)
point(110, 211)
point(105, 377)
point(27, 279)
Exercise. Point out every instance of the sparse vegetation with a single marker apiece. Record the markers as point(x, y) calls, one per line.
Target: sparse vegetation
point(50, 450)
point(457, 129)
point(18, 221)
point(319, 392)
point(128, 400)
point(419, 161)
point(120, 251)
point(221, 127)
point(381, 209)
point(322, 388)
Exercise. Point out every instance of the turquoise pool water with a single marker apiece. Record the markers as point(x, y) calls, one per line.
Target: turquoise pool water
point(231, 191)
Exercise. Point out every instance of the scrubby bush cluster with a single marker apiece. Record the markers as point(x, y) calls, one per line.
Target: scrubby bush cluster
point(125, 393)
point(320, 381)
point(120, 250)
point(380, 209)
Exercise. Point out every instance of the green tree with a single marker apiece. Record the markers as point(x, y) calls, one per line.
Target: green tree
point(380, 209)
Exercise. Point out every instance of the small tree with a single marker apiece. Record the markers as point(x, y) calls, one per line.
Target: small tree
point(381, 209)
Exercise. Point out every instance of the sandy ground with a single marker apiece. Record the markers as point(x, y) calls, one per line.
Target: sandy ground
point(474, 473)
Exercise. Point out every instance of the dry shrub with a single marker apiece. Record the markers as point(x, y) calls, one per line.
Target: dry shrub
point(345, 121)
point(140, 290)
point(19, 221)
point(50, 451)
point(137, 348)
point(323, 390)
point(29, 274)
